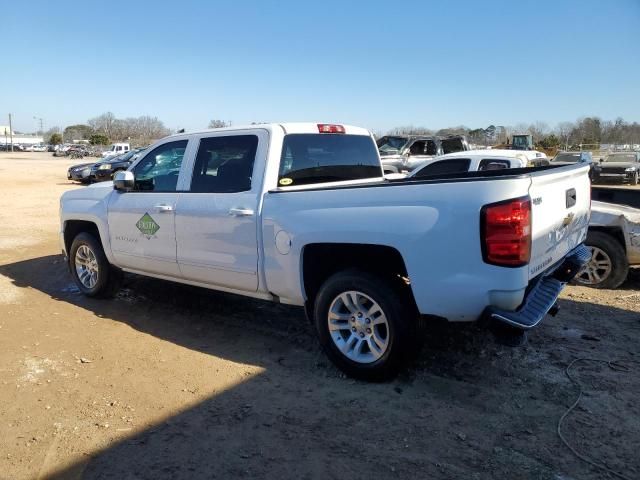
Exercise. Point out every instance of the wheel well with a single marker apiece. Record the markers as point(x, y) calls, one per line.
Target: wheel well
point(73, 227)
point(321, 260)
point(612, 232)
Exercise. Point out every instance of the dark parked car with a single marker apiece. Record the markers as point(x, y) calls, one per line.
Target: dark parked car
point(80, 172)
point(621, 166)
point(7, 148)
point(569, 158)
point(105, 169)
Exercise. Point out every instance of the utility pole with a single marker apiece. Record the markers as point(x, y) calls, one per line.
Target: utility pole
point(11, 132)
point(41, 121)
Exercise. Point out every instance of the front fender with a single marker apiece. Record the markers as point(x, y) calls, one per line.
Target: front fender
point(90, 207)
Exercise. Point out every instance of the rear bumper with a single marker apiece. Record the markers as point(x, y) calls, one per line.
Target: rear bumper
point(543, 292)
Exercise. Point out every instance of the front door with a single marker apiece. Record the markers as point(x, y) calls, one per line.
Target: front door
point(142, 221)
point(216, 220)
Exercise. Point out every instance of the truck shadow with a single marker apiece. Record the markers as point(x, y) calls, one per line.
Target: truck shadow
point(458, 412)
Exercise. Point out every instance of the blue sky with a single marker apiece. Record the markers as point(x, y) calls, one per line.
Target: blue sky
point(375, 64)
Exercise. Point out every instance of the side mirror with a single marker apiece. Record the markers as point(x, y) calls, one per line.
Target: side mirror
point(123, 181)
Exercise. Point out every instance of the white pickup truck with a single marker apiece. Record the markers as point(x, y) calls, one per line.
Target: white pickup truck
point(301, 214)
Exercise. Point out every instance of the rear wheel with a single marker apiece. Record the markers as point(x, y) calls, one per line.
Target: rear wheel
point(608, 267)
point(366, 325)
point(90, 269)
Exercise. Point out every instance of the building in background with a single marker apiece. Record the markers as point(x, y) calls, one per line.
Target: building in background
point(18, 138)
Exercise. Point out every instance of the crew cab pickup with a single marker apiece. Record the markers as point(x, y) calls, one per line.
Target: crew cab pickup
point(301, 214)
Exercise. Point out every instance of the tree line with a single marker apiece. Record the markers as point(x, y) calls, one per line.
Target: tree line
point(586, 130)
point(107, 128)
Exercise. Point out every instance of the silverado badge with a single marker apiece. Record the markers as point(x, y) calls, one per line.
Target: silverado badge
point(147, 226)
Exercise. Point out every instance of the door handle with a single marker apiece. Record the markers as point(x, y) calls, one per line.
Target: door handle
point(164, 208)
point(240, 212)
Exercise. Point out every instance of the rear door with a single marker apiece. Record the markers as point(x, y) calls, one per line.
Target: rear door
point(560, 206)
point(216, 219)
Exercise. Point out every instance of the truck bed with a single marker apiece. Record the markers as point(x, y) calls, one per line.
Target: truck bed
point(619, 196)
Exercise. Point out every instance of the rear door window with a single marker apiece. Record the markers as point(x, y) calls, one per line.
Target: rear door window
point(224, 164)
point(309, 158)
point(418, 147)
point(452, 145)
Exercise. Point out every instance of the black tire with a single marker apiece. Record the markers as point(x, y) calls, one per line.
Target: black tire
point(404, 335)
point(109, 278)
point(616, 254)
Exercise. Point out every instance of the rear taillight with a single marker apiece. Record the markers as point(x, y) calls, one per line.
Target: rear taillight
point(506, 232)
point(330, 128)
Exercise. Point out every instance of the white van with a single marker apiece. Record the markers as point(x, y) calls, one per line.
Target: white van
point(116, 149)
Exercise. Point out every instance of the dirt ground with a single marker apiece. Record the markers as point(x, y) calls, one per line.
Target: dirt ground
point(168, 381)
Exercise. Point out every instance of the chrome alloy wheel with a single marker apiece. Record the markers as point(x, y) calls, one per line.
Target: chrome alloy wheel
point(358, 327)
point(86, 266)
point(597, 270)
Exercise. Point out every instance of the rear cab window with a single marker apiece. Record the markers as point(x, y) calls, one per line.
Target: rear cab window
point(444, 167)
point(493, 164)
point(310, 158)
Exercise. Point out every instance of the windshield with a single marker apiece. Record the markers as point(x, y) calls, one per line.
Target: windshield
point(128, 155)
point(620, 157)
point(567, 157)
point(391, 144)
point(521, 142)
point(112, 159)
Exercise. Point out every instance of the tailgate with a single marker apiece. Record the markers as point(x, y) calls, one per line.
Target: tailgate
point(560, 206)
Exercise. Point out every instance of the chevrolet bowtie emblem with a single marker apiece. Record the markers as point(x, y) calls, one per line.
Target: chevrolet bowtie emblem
point(568, 219)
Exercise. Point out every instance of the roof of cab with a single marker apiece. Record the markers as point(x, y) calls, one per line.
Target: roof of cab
point(486, 153)
point(287, 128)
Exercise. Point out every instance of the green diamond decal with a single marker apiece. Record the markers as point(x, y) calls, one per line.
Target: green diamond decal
point(147, 225)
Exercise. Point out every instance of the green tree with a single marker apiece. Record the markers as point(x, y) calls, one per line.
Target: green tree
point(78, 132)
point(47, 135)
point(218, 124)
point(55, 139)
point(98, 139)
point(550, 141)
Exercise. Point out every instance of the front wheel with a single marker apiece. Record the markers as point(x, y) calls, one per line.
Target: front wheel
point(90, 269)
point(366, 325)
